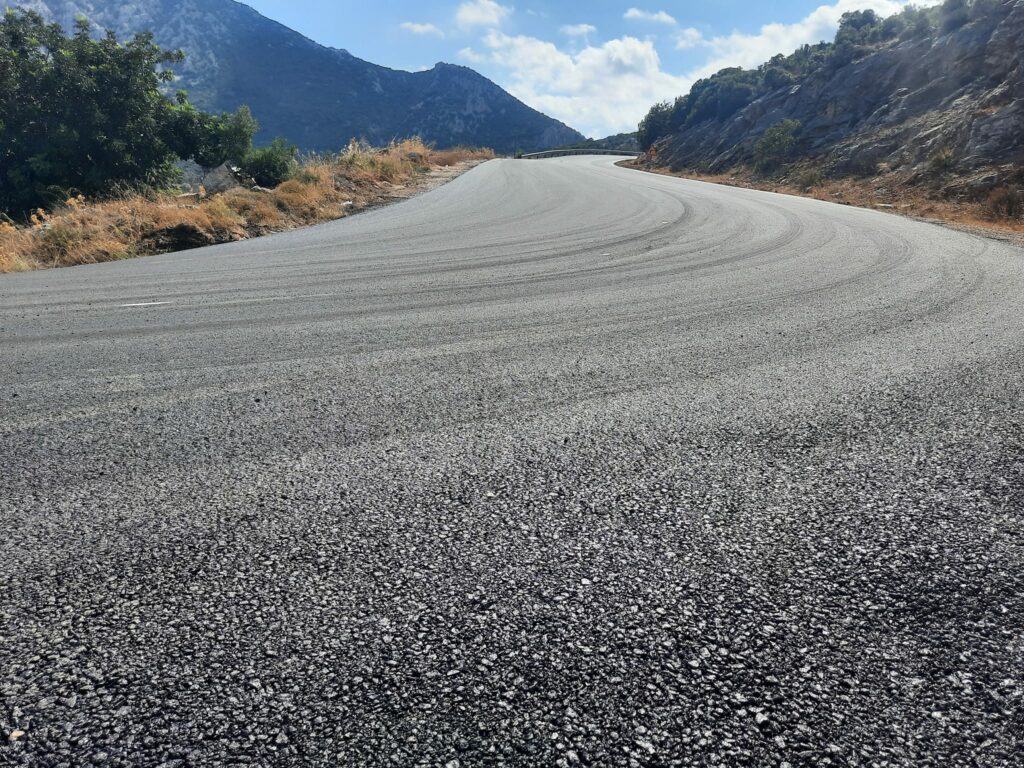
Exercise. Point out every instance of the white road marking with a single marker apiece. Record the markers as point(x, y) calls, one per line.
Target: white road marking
point(236, 302)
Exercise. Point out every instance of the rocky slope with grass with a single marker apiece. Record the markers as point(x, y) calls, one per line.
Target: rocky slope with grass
point(316, 97)
point(937, 97)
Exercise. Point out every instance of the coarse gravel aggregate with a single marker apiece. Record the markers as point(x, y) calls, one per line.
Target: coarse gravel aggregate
point(557, 465)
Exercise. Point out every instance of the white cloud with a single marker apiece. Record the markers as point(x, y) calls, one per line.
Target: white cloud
point(751, 50)
point(421, 29)
point(689, 38)
point(578, 30)
point(599, 90)
point(655, 17)
point(608, 88)
point(472, 56)
point(481, 13)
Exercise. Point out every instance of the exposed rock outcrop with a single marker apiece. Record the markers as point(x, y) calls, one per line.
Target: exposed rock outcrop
point(954, 98)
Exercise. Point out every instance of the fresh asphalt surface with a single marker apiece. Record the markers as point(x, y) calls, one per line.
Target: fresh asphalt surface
point(560, 464)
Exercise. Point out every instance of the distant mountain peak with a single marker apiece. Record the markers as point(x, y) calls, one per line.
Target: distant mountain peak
point(317, 97)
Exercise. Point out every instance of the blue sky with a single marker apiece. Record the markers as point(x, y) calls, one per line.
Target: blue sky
point(597, 66)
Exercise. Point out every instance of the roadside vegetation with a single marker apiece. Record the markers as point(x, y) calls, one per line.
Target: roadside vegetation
point(1000, 212)
point(315, 189)
point(91, 150)
point(776, 146)
point(79, 116)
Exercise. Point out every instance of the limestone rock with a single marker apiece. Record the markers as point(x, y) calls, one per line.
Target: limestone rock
point(961, 91)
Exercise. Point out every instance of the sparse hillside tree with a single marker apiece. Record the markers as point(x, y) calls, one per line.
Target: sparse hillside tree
point(655, 125)
point(953, 14)
point(776, 146)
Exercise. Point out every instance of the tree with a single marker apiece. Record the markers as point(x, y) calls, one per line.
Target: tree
point(216, 139)
point(722, 95)
point(655, 125)
point(856, 30)
point(953, 14)
point(776, 145)
point(78, 114)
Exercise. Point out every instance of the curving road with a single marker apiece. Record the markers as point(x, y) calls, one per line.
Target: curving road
point(560, 464)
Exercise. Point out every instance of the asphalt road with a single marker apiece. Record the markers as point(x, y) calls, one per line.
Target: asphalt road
point(560, 464)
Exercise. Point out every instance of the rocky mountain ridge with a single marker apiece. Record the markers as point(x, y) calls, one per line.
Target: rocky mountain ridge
point(624, 142)
point(317, 97)
point(949, 98)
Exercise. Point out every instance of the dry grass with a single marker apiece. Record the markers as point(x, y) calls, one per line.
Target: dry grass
point(890, 191)
point(457, 155)
point(325, 188)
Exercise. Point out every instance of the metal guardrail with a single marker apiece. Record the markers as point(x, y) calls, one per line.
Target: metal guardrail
point(567, 152)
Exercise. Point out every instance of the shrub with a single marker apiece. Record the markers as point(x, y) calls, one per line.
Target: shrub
point(942, 159)
point(864, 164)
point(776, 146)
point(272, 165)
point(1006, 203)
point(810, 178)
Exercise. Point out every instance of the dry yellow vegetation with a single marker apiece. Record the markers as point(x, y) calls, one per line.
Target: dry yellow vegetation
point(1000, 214)
point(324, 188)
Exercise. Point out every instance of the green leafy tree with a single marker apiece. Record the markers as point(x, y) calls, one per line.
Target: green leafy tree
point(212, 140)
point(776, 145)
point(857, 30)
point(78, 114)
point(655, 125)
point(721, 96)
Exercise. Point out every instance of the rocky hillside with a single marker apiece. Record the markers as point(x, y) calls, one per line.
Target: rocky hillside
point(317, 97)
point(622, 142)
point(927, 92)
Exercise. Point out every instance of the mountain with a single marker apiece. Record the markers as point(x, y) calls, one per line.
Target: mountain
point(922, 92)
point(315, 96)
point(623, 142)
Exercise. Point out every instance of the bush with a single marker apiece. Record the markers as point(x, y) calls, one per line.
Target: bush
point(1006, 203)
point(273, 165)
point(942, 159)
point(864, 164)
point(810, 178)
point(776, 146)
